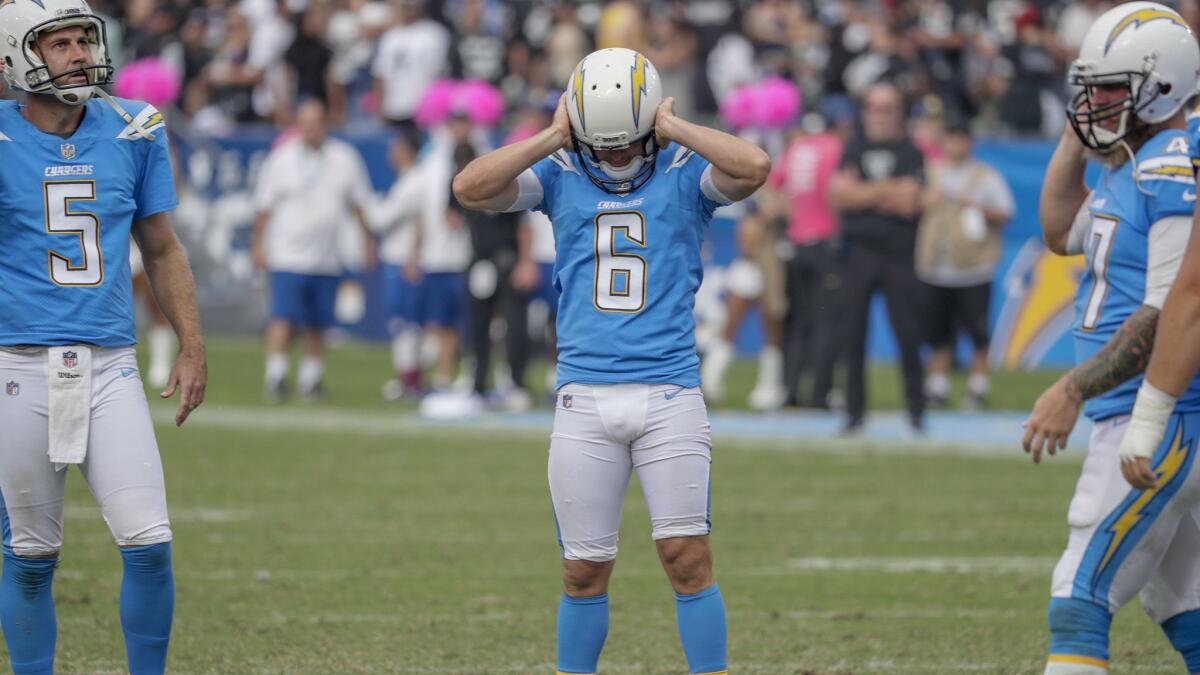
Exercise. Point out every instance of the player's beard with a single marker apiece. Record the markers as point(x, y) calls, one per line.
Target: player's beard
point(1116, 154)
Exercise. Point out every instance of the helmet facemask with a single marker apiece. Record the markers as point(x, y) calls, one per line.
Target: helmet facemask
point(618, 179)
point(38, 79)
point(1086, 118)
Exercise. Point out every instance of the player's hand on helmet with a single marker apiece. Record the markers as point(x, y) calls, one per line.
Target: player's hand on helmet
point(1052, 420)
point(662, 117)
point(562, 121)
point(190, 377)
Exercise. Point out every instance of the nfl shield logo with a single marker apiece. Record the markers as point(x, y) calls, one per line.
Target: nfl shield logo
point(70, 359)
point(67, 150)
point(567, 400)
point(12, 388)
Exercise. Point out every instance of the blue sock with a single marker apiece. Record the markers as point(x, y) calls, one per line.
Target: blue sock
point(147, 606)
point(1183, 630)
point(702, 630)
point(582, 629)
point(1079, 628)
point(27, 613)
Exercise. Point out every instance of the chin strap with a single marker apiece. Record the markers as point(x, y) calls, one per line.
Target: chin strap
point(1133, 163)
point(124, 115)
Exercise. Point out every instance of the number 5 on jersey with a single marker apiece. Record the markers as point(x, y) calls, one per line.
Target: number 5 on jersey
point(60, 219)
point(620, 284)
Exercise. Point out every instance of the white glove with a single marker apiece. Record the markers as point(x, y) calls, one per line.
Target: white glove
point(1151, 413)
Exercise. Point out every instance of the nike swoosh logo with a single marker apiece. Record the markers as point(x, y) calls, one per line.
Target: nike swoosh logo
point(672, 394)
point(1189, 196)
point(126, 372)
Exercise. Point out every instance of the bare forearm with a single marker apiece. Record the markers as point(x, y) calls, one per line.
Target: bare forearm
point(490, 175)
point(524, 242)
point(1063, 191)
point(260, 228)
point(740, 160)
point(852, 194)
point(1125, 355)
point(1176, 357)
point(175, 290)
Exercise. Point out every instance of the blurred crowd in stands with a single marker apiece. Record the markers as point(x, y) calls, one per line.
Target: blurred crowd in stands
point(998, 62)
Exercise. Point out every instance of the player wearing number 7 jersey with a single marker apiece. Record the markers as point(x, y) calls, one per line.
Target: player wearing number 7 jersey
point(630, 189)
point(1137, 66)
point(77, 175)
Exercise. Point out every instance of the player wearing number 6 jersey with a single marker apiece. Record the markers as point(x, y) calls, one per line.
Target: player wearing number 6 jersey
point(630, 189)
point(1137, 66)
point(77, 176)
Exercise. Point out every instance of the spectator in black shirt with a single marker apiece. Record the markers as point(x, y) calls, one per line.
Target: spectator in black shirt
point(878, 194)
point(308, 60)
point(490, 290)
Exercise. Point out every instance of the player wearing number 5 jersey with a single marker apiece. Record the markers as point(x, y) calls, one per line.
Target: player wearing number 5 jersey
point(1137, 66)
point(78, 175)
point(630, 189)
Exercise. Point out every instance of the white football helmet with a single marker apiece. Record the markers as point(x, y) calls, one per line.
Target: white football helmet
point(612, 99)
point(20, 23)
point(1145, 46)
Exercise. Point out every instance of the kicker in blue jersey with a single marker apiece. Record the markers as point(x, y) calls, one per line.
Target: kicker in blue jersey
point(1114, 284)
point(627, 268)
point(66, 209)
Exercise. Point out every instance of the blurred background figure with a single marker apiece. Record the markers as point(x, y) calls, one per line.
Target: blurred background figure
point(760, 113)
point(967, 203)
point(798, 191)
point(160, 339)
point(398, 225)
point(877, 191)
point(310, 187)
point(755, 277)
point(410, 56)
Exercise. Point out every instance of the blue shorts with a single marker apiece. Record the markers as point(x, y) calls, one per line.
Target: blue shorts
point(442, 299)
point(400, 296)
point(546, 290)
point(304, 299)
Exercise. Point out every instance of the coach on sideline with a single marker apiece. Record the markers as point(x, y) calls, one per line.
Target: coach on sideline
point(878, 194)
point(307, 188)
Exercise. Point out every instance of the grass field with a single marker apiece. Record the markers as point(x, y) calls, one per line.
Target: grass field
point(432, 550)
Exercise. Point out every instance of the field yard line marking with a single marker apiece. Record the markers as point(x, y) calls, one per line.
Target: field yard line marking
point(895, 565)
point(979, 434)
point(891, 565)
point(900, 614)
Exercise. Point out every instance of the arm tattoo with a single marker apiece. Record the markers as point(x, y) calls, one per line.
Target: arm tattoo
point(1126, 354)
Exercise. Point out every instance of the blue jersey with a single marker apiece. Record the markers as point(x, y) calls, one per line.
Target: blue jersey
point(627, 267)
point(66, 207)
point(1193, 124)
point(1114, 284)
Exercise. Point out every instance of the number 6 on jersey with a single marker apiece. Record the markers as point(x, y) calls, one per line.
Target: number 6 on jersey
point(620, 284)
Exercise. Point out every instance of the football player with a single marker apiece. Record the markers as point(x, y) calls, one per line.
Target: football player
point(1137, 66)
point(630, 189)
point(77, 175)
